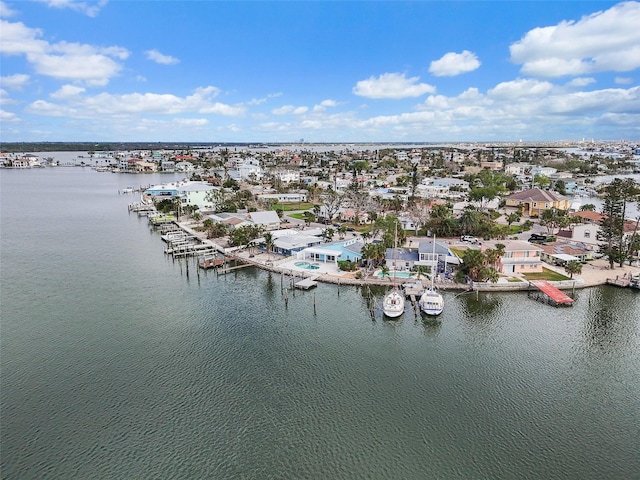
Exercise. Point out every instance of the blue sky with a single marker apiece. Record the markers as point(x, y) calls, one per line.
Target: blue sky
point(329, 71)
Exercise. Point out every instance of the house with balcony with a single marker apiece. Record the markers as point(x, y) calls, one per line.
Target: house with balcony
point(402, 259)
point(197, 194)
point(519, 257)
point(533, 201)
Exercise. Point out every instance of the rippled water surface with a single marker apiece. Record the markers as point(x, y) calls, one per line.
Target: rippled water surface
point(119, 363)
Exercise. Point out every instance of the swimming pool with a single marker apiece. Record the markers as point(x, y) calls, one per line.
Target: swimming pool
point(307, 265)
point(397, 274)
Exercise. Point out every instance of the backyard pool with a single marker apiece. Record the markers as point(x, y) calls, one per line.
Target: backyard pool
point(307, 265)
point(396, 274)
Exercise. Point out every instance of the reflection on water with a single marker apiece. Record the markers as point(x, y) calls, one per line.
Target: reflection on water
point(126, 368)
point(610, 325)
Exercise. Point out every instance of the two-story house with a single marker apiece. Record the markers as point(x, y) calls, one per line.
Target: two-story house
point(520, 257)
point(533, 201)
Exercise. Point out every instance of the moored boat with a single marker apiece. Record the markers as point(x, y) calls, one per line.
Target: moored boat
point(431, 302)
point(393, 302)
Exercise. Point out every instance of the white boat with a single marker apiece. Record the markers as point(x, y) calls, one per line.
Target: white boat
point(431, 302)
point(393, 302)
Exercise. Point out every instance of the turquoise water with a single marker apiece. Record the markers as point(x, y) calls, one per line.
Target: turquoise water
point(396, 274)
point(118, 362)
point(307, 265)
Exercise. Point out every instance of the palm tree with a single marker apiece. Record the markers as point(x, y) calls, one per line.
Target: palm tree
point(573, 266)
point(469, 221)
point(268, 240)
point(385, 271)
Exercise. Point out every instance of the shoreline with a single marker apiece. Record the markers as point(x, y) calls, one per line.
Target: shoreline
point(594, 273)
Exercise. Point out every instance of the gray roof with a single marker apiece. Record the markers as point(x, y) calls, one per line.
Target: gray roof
point(401, 254)
point(264, 217)
point(426, 246)
point(296, 241)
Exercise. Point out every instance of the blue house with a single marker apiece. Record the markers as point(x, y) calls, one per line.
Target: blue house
point(332, 252)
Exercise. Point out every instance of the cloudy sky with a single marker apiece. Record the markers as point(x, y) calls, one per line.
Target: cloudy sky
point(327, 71)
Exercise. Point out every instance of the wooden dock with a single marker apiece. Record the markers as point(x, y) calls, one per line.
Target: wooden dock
point(213, 262)
point(619, 281)
point(306, 283)
point(414, 289)
point(224, 271)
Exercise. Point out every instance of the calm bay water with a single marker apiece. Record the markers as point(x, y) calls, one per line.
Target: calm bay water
point(115, 364)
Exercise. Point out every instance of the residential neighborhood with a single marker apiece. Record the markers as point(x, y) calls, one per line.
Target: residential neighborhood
point(522, 208)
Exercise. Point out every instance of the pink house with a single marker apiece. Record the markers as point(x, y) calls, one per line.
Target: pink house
point(520, 257)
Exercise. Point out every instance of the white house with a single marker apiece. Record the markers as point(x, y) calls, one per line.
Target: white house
point(195, 193)
point(269, 220)
point(289, 176)
point(247, 170)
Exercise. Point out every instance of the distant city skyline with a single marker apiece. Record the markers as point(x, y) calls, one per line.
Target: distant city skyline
point(209, 71)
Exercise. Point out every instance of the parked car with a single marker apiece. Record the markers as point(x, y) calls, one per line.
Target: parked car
point(469, 238)
point(537, 238)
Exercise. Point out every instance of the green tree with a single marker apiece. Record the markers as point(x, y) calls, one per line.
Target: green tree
point(573, 267)
point(589, 207)
point(513, 217)
point(268, 241)
point(553, 218)
point(617, 195)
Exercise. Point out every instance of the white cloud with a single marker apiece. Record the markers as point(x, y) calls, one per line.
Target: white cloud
point(190, 122)
point(289, 109)
point(322, 106)
point(392, 85)
point(158, 57)
point(67, 92)
point(581, 82)
point(260, 101)
point(8, 116)
point(72, 103)
point(623, 80)
point(452, 64)
point(66, 61)
point(14, 82)
point(5, 10)
point(90, 9)
point(603, 41)
point(517, 89)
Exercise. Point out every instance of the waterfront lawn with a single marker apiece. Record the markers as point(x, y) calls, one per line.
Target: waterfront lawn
point(546, 274)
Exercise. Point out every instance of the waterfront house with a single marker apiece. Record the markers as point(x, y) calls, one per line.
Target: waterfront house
point(168, 166)
point(350, 250)
point(400, 259)
point(520, 257)
point(197, 194)
point(533, 201)
point(294, 242)
point(444, 258)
